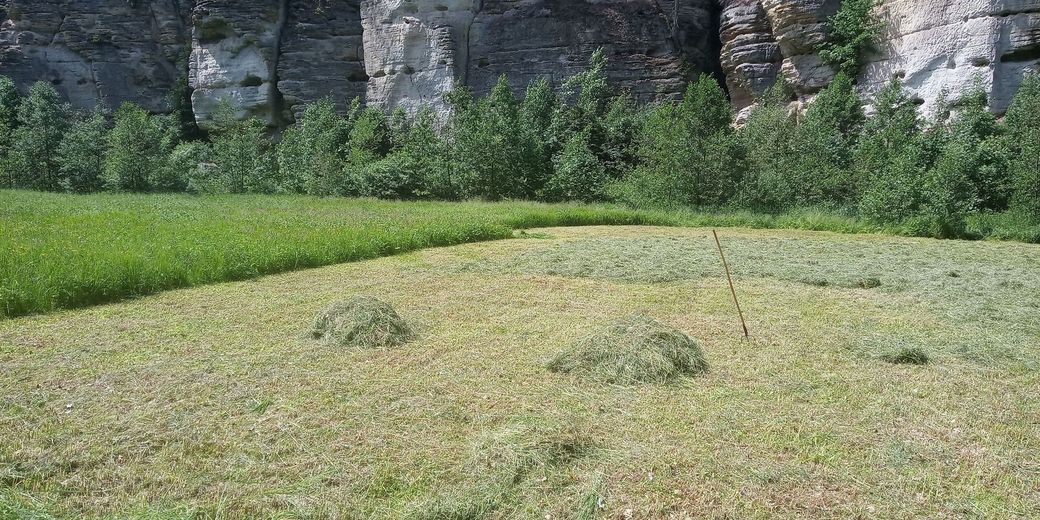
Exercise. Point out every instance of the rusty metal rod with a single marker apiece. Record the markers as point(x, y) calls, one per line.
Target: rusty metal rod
point(732, 290)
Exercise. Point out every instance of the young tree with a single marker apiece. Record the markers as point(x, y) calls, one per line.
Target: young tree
point(888, 158)
point(687, 151)
point(579, 173)
point(769, 140)
point(241, 153)
point(1023, 144)
point(81, 154)
point(137, 147)
point(493, 154)
point(311, 154)
point(825, 139)
point(416, 169)
point(370, 141)
point(9, 100)
point(41, 123)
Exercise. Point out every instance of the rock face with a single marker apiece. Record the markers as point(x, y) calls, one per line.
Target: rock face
point(271, 57)
point(936, 45)
point(766, 40)
point(97, 51)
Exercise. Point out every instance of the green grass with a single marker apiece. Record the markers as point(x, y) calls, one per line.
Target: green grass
point(63, 251)
point(216, 401)
point(60, 251)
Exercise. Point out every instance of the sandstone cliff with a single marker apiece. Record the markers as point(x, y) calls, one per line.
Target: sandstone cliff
point(270, 57)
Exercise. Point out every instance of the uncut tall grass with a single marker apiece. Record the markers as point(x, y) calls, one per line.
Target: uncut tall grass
point(61, 251)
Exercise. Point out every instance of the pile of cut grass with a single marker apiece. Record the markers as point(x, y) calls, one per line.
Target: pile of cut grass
point(633, 351)
point(505, 458)
point(361, 322)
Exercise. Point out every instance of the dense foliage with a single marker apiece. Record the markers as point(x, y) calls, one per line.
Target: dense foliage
point(585, 142)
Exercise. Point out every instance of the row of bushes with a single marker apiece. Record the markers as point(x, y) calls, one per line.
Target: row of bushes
point(582, 143)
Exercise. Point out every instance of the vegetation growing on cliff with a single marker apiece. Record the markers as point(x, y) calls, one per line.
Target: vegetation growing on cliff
point(854, 31)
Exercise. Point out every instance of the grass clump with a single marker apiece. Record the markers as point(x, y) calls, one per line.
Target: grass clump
point(907, 356)
point(502, 461)
point(361, 322)
point(632, 351)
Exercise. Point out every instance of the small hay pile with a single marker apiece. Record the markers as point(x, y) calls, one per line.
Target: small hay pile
point(632, 351)
point(361, 322)
point(907, 356)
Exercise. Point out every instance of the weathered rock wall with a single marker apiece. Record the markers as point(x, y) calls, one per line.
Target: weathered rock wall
point(951, 45)
point(97, 51)
point(270, 57)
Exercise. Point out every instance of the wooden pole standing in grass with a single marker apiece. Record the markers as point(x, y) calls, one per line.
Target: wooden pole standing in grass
point(729, 278)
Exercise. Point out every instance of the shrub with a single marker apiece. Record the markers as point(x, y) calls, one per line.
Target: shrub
point(361, 322)
point(81, 154)
point(241, 153)
point(635, 350)
point(137, 148)
point(888, 158)
point(311, 153)
point(1023, 146)
point(687, 151)
point(853, 32)
point(578, 173)
point(42, 120)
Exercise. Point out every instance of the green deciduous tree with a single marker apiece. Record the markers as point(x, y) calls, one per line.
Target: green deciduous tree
point(137, 149)
point(241, 153)
point(312, 153)
point(9, 100)
point(42, 120)
point(1023, 145)
point(688, 152)
point(81, 154)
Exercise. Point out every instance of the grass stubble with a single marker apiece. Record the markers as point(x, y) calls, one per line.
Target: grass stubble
point(214, 402)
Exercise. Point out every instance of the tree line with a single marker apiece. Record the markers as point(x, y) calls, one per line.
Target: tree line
point(584, 142)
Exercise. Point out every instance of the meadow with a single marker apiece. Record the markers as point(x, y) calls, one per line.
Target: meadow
point(65, 251)
point(215, 401)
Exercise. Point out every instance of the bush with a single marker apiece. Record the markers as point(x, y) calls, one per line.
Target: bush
point(632, 351)
point(1022, 143)
point(241, 154)
point(853, 32)
point(137, 149)
point(578, 173)
point(687, 150)
point(361, 322)
point(81, 154)
point(369, 142)
point(769, 141)
point(42, 120)
point(311, 153)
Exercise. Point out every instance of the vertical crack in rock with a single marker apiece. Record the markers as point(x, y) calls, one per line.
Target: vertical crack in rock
point(478, 9)
point(279, 115)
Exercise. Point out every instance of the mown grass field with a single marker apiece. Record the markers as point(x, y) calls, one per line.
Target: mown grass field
point(62, 251)
point(213, 402)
